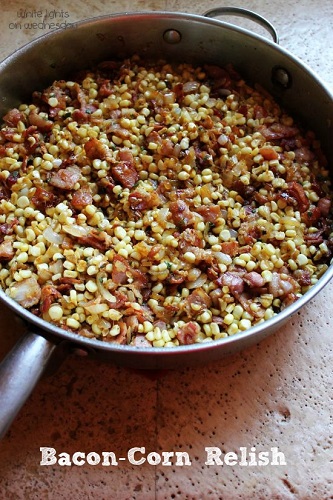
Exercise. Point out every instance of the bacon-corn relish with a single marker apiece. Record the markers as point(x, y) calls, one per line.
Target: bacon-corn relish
point(159, 205)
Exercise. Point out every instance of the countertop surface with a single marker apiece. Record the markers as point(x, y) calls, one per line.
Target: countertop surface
point(273, 397)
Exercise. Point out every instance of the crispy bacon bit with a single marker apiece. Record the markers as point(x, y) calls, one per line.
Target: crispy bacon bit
point(230, 247)
point(49, 295)
point(268, 153)
point(43, 199)
point(65, 178)
point(254, 279)
point(209, 213)
point(118, 131)
point(122, 271)
point(81, 198)
point(188, 333)
point(140, 200)
point(233, 281)
point(125, 173)
point(304, 155)
point(311, 216)
point(324, 205)
point(302, 276)
point(105, 89)
point(181, 214)
point(197, 302)
point(119, 270)
point(190, 238)
point(7, 228)
point(278, 131)
point(40, 122)
point(95, 149)
point(296, 191)
point(314, 238)
point(96, 239)
point(13, 117)
point(7, 251)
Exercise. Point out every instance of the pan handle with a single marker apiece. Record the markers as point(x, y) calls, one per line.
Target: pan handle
point(19, 373)
point(238, 11)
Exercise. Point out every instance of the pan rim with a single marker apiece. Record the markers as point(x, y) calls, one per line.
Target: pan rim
point(254, 333)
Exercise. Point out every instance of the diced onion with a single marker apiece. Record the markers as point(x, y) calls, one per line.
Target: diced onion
point(52, 237)
point(75, 230)
point(103, 291)
point(96, 308)
point(201, 280)
point(223, 258)
point(190, 87)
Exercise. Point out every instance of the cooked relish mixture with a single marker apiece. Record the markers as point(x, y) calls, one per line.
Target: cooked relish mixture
point(159, 205)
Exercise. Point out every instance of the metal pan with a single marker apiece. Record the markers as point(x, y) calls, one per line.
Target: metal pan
point(182, 37)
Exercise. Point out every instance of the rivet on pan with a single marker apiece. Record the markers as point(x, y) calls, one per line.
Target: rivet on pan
point(281, 77)
point(172, 36)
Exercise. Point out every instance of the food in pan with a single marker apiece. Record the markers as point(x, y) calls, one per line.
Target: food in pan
point(159, 205)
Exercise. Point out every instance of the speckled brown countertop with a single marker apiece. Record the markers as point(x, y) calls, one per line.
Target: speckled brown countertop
point(277, 394)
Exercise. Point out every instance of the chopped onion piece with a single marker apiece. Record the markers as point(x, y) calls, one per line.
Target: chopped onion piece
point(52, 237)
point(201, 280)
point(103, 291)
point(76, 230)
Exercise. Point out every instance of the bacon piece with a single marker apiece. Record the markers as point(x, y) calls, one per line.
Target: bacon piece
point(43, 199)
point(13, 117)
point(311, 216)
point(49, 295)
point(280, 287)
point(303, 277)
point(233, 281)
point(122, 270)
point(220, 76)
point(230, 248)
point(197, 302)
point(141, 341)
point(268, 153)
point(96, 239)
point(278, 131)
point(140, 200)
point(8, 134)
point(118, 131)
point(39, 122)
point(304, 155)
point(324, 205)
point(81, 198)
point(7, 251)
point(26, 292)
point(119, 270)
point(32, 139)
point(188, 333)
point(181, 214)
point(7, 228)
point(254, 279)
point(65, 178)
point(178, 91)
point(105, 88)
point(95, 149)
point(314, 238)
point(125, 173)
point(296, 191)
point(209, 213)
point(190, 238)
point(82, 115)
